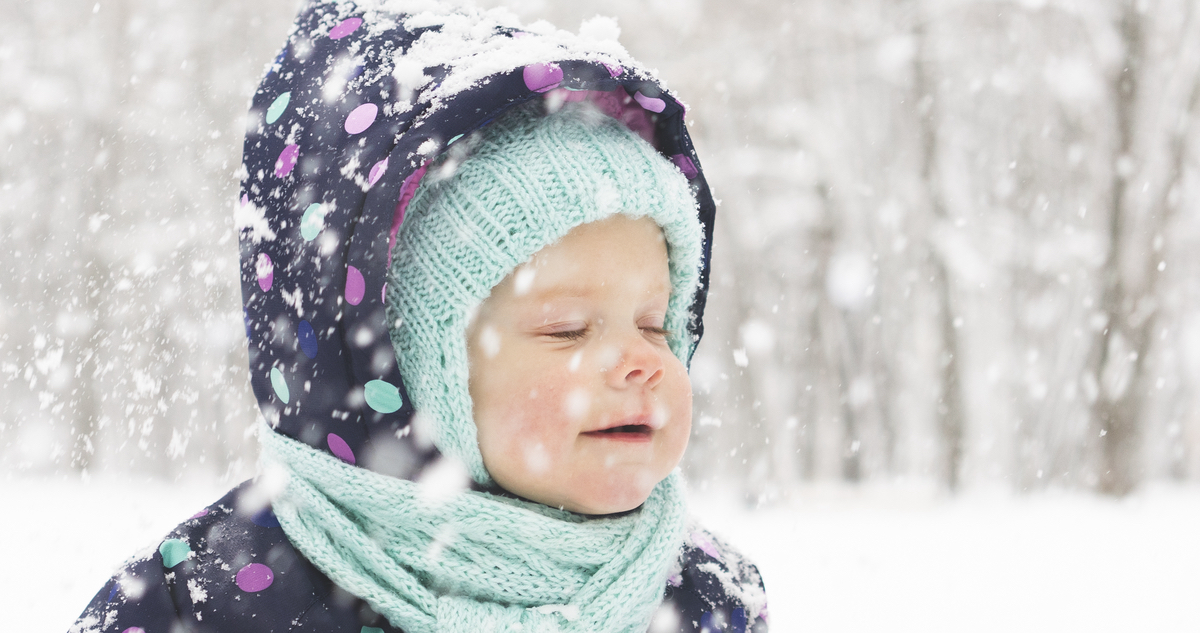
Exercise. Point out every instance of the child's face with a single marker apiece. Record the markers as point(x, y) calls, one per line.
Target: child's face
point(579, 402)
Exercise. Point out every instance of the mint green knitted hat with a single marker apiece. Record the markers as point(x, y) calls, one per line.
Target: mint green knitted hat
point(526, 181)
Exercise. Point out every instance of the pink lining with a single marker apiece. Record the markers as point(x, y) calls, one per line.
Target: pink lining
point(406, 195)
point(615, 103)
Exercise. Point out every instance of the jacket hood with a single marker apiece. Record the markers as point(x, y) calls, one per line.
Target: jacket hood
point(359, 100)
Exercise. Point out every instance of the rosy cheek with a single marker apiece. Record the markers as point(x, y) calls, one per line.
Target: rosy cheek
point(532, 416)
point(535, 458)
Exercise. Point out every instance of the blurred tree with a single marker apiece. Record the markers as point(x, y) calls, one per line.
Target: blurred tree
point(941, 252)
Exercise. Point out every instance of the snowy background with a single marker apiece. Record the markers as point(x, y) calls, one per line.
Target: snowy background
point(953, 354)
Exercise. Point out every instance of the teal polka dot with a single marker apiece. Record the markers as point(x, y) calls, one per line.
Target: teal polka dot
point(371, 629)
point(456, 137)
point(280, 385)
point(312, 221)
point(174, 551)
point(278, 107)
point(382, 396)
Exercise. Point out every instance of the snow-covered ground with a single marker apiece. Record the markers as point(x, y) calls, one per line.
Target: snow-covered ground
point(874, 559)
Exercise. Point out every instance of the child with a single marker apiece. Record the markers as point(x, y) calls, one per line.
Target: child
point(474, 266)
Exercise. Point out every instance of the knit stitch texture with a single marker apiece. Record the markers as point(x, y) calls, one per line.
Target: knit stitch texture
point(529, 179)
point(472, 561)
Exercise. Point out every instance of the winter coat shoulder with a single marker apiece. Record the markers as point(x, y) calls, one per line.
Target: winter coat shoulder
point(230, 569)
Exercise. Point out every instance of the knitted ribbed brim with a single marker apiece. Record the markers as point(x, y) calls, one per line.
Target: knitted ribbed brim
point(528, 180)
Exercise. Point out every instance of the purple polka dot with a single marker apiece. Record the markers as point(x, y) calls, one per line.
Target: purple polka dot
point(685, 165)
point(344, 28)
point(287, 160)
point(356, 287)
point(245, 199)
point(265, 268)
point(200, 514)
point(255, 577)
point(383, 293)
point(361, 118)
point(339, 448)
point(134, 629)
point(613, 69)
point(652, 104)
point(377, 172)
point(541, 77)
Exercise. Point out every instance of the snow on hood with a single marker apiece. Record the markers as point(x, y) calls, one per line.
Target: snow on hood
point(359, 99)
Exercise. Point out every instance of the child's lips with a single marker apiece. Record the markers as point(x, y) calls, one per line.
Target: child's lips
point(624, 434)
point(634, 429)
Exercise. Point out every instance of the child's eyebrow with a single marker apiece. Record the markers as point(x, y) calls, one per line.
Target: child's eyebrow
point(560, 292)
point(570, 291)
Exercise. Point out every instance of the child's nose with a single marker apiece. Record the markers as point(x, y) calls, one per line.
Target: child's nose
point(639, 363)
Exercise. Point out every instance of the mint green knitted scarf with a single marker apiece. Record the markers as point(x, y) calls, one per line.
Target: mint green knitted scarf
point(474, 562)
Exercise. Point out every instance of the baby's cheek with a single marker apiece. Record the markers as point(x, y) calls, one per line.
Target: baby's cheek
point(677, 401)
point(536, 459)
point(534, 428)
point(678, 390)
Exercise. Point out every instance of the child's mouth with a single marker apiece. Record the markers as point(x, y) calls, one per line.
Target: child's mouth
point(626, 433)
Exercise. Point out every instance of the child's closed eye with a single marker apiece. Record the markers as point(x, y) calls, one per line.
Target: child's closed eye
point(568, 335)
point(660, 332)
point(581, 332)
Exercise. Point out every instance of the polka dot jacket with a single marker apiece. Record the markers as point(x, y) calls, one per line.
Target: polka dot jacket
point(361, 97)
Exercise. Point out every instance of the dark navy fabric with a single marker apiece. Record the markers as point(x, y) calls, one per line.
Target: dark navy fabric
point(334, 148)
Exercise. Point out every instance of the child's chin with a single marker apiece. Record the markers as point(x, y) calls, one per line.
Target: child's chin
point(606, 508)
point(612, 501)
